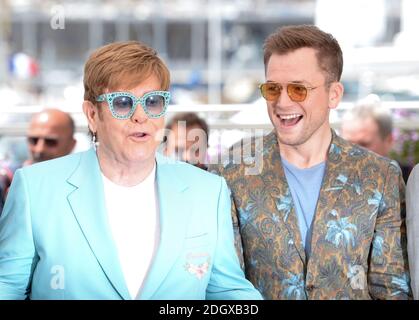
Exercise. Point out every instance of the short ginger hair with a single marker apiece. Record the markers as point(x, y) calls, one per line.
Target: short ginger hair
point(290, 38)
point(123, 64)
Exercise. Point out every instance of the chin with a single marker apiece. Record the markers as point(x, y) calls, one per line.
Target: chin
point(294, 140)
point(289, 142)
point(142, 156)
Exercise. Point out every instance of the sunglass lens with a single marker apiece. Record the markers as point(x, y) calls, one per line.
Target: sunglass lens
point(271, 91)
point(122, 105)
point(297, 92)
point(155, 103)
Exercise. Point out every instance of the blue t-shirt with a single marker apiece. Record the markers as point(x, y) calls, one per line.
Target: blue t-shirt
point(305, 187)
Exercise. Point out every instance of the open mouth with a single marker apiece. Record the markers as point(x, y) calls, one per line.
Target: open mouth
point(289, 120)
point(140, 135)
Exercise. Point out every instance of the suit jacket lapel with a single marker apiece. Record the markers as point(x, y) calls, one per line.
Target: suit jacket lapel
point(339, 181)
point(336, 178)
point(174, 213)
point(284, 204)
point(88, 206)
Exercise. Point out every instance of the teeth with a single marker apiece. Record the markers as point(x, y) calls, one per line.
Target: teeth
point(289, 116)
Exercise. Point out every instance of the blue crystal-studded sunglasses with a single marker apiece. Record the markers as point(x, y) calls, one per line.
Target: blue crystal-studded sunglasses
point(123, 104)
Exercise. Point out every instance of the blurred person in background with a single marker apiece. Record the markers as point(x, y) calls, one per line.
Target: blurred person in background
point(188, 139)
point(120, 221)
point(412, 224)
point(50, 135)
point(6, 176)
point(370, 125)
point(323, 218)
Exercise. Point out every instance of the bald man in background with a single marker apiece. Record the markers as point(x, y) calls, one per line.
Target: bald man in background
point(50, 135)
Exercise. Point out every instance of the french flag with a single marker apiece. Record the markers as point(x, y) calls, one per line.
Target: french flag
point(23, 66)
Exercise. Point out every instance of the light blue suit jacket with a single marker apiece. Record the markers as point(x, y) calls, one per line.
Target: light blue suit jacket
point(55, 241)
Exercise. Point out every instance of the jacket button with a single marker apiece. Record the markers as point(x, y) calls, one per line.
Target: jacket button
point(310, 287)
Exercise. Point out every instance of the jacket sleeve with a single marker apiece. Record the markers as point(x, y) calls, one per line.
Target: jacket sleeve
point(227, 280)
point(412, 224)
point(238, 244)
point(388, 275)
point(17, 250)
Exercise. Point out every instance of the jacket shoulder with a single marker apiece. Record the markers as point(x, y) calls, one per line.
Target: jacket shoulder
point(190, 174)
point(54, 168)
point(245, 153)
point(361, 157)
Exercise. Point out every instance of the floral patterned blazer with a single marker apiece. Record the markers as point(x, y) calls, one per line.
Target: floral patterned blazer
point(359, 238)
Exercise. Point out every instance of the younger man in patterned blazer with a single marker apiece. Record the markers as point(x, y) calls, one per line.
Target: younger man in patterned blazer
point(323, 218)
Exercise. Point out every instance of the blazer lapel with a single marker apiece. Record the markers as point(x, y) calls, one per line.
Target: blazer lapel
point(284, 204)
point(339, 181)
point(174, 213)
point(337, 178)
point(88, 206)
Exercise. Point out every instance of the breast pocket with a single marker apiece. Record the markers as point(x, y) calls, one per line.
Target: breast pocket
point(196, 241)
point(197, 257)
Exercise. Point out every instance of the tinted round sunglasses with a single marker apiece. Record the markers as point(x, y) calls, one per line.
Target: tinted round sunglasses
point(297, 92)
point(124, 104)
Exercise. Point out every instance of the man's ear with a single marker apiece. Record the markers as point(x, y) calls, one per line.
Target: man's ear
point(91, 113)
point(335, 94)
point(72, 144)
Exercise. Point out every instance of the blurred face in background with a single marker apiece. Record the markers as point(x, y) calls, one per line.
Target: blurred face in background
point(50, 135)
point(365, 132)
point(187, 144)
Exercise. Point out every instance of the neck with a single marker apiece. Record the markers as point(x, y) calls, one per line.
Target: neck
point(310, 153)
point(124, 173)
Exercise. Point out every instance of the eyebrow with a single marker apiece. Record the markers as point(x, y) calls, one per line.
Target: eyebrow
point(295, 81)
point(126, 91)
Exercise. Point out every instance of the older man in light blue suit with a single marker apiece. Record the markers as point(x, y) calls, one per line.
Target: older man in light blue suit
point(60, 246)
point(119, 221)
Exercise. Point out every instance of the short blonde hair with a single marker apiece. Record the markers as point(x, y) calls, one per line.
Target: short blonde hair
point(123, 64)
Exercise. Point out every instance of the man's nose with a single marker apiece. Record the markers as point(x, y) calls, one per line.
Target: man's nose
point(139, 115)
point(284, 99)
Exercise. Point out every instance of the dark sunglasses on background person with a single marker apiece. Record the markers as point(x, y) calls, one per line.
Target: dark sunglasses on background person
point(297, 92)
point(49, 142)
point(124, 104)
